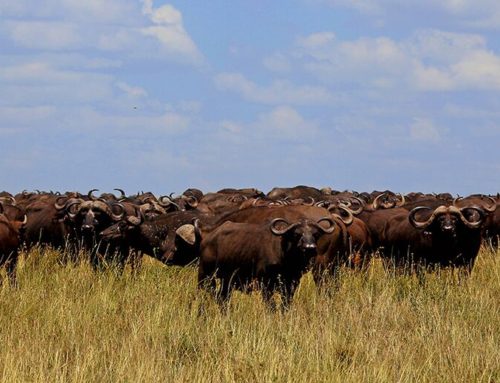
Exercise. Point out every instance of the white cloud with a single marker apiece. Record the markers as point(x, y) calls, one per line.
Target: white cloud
point(316, 40)
point(40, 82)
point(278, 92)
point(126, 124)
point(129, 124)
point(117, 11)
point(50, 35)
point(282, 123)
point(41, 72)
point(120, 39)
point(112, 25)
point(432, 79)
point(366, 6)
point(232, 126)
point(424, 129)
point(468, 111)
point(133, 91)
point(99, 11)
point(443, 47)
point(15, 118)
point(170, 32)
point(277, 62)
point(478, 13)
point(479, 69)
point(430, 60)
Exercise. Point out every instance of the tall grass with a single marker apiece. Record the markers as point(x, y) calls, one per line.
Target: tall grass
point(66, 323)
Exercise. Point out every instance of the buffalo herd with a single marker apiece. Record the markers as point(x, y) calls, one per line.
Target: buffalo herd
point(244, 238)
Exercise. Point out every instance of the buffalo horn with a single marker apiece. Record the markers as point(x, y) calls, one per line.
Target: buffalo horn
point(9, 198)
point(469, 224)
point(439, 210)
point(255, 200)
point(330, 229)
point(350, 216)
point(492, 207)
point(420, 224)
point(402, 200)
point(90, 196)
point(375, 203)
point(288, 227)
point(136, 219)
point(192, 201)
point(76, 203)
point(59, 205)
point(122, 193)
point(168, 202)
point(119, 216)
point(457, 200)
point(311, 203)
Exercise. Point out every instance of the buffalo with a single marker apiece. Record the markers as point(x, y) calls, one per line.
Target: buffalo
point(274, 254)
point(424, 238)
point(10, 240)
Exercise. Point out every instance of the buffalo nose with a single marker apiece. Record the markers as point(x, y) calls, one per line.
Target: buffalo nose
point(87, 227)
point(310, 246)
point(447, 227)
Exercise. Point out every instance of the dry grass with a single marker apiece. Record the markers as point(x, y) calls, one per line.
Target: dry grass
point(66, 323)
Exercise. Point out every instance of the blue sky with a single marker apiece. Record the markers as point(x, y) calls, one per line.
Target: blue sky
point(165, 95)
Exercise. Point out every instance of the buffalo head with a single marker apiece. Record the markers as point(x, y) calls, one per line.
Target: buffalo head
point(93, 215)
point(304, 234)
point(446, 220)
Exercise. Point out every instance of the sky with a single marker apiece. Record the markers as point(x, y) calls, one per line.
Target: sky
point(164, 95)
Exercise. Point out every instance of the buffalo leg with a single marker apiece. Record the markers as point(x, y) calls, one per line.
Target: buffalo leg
point(10, 266)
point(136, 261)
point(95, 261)
point(206, 282)
point(267, 296)
point(287, 291)
point(269, 285)
point(224, 293)
point(464, 271)
point(420, 271)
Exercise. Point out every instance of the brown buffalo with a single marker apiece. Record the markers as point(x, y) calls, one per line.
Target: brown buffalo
point(333, 250)
point(10, 239)
point(169, 238)
point(428, 238)
point(274, 254)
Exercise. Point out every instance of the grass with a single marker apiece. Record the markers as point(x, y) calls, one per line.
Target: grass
point(66, 323)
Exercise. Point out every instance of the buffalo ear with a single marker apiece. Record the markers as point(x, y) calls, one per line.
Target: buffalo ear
point(471, 215)
point(187, 233)
point(136, 221)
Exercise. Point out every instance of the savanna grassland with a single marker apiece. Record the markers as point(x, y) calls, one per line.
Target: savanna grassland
point(65, 323)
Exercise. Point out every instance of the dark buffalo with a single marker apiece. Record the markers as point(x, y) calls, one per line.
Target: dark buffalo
point(298, 192)
point(359, 238)
point(387, 200)
point(221, 203)
point(489, 204)
point(274, 254)
point(333, 250)
point(248, 192)
point(169, 238)
point(86, 219)
point(47, 223)
point(10, 239)
point(427, 238)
